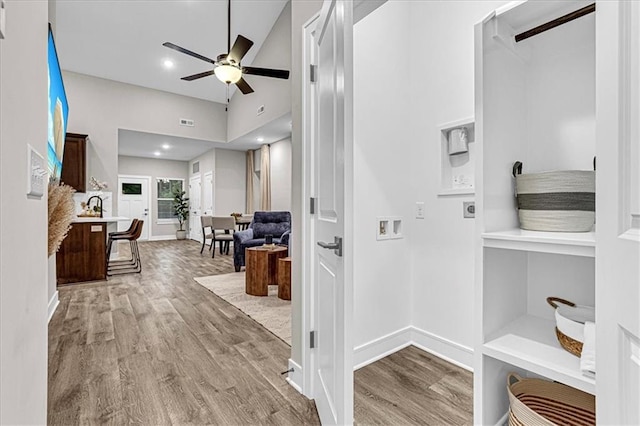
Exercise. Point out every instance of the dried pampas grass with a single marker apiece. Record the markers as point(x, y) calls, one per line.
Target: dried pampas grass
point(61, 212)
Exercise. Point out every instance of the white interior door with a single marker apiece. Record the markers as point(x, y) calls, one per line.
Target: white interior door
point(195, 208)
point(133, 202)
point(207, 194)
point(618, 213)
point(332, 141)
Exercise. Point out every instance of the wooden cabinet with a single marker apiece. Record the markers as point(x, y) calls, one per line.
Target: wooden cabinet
point(74, 162)
point(82, 255)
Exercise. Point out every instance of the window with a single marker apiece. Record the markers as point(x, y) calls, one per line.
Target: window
point(131, 188)
point(167, 189)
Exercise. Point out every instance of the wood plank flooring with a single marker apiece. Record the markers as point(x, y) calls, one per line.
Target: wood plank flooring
point(157, 348)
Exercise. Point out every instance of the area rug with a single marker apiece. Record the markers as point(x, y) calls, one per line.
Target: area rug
point(272, 313)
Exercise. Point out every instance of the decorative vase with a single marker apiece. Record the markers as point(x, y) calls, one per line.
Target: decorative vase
point(181, 235)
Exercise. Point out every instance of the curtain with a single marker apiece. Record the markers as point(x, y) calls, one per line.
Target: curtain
point(250, 167)
point(265, 178)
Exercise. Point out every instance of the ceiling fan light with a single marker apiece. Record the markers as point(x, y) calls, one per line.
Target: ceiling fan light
point(228, 73)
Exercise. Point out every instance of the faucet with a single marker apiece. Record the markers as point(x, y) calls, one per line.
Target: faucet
point(98, 203)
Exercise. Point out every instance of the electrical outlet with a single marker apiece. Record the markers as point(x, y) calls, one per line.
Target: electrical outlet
point(420, 210)
point(469, 209)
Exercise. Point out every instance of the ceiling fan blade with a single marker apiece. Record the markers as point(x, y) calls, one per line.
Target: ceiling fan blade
point(244, 86)
point(197, 76)
point(266, 72)
point(240, 48)
point(188, 52)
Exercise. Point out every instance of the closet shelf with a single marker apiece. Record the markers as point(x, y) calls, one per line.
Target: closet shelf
point(530, 343)
point(570, 243)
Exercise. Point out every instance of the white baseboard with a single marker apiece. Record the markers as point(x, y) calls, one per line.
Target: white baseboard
point(381, 347)
point(162, 238)
point(294, 378)
point(450, 351)
point(53, 305)
point(455, 353)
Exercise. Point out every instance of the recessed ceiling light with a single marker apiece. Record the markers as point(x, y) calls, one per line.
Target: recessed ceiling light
point(157, 153)
point(166, 146)
point(260, 139)
point(168, 63)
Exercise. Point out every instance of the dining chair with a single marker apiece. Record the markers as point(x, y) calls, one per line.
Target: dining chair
point(205, 222)
point(226, 226)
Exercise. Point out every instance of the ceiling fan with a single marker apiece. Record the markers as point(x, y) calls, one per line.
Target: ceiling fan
point(227, 66)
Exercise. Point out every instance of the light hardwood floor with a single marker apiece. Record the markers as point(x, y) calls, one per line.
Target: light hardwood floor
point(158, 348)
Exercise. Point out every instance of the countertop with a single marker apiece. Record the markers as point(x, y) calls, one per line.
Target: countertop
point(108, 219)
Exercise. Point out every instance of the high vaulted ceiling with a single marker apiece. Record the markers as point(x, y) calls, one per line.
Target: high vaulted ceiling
point(122, 40)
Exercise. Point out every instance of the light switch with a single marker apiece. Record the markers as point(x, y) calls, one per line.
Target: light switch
point(420, 210)
point(36, 172)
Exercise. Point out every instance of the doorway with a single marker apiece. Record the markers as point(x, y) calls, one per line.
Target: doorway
point(208, 197)
point(133, 201)
point(195, 209)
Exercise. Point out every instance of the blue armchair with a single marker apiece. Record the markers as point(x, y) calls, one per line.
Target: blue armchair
point(277, 224)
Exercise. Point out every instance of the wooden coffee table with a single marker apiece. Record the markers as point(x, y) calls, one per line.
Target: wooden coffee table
point(261, 265)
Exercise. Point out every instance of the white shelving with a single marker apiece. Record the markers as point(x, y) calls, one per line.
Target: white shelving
point(571, 243)
point(535, 103)
point(530, 343)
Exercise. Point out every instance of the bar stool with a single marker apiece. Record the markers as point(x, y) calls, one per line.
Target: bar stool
point(131, 229)
point(115, 267)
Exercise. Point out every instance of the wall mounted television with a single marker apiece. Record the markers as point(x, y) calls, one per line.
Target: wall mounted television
point(58, 113)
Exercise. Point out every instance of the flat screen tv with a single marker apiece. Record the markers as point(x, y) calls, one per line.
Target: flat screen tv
point(58, 113)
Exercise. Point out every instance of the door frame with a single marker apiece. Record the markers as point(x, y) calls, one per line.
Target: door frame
point(305, 381)
point(307, 288)
point(149, 203)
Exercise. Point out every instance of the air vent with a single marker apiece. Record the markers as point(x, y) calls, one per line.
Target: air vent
point(196, 167)
point(187, 122)
point(260, 109)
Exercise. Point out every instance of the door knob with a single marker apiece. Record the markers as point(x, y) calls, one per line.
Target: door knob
point(336, 245)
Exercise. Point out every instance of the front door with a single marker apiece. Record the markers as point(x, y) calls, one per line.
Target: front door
point(332, 139)
point(195, 193)
point(133, 202)
point(618, 213)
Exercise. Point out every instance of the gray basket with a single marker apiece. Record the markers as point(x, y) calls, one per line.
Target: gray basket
point(560, 201)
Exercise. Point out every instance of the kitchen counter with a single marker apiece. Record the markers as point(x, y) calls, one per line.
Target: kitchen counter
point(109, 219)
point(82, 255)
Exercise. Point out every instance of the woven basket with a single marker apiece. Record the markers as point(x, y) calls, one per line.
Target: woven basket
point(570, 319)
point(544, 403)
point(560, 201)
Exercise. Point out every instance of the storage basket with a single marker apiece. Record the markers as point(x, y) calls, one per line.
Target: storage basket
point(560, 201)
point(570, 319)
point(541, 402)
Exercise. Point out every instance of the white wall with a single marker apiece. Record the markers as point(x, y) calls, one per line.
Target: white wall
point(441, 77)
point(280, 156)
point(100, 107)
point(23, 221)
point(155, 168)
point(274, 94)
point(383, 150)
point(230, 182)
point(229, 178)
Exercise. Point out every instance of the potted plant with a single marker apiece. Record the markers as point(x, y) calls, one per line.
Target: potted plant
point(181, 211)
